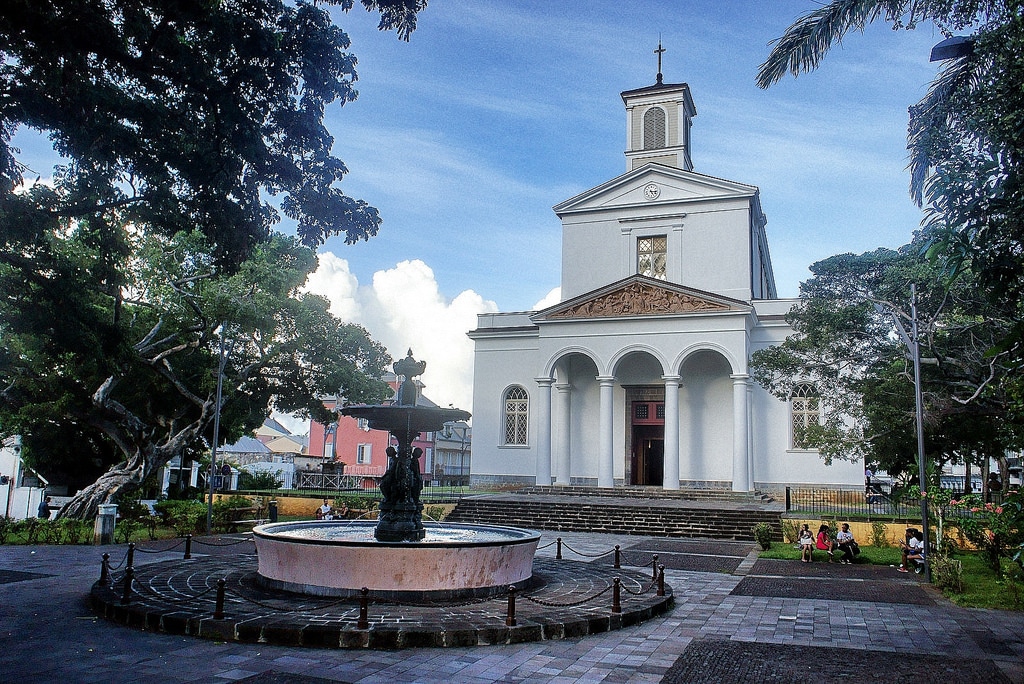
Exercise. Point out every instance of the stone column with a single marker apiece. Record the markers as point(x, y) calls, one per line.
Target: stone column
point(103, 528)
point(750, 436)
point(562, 454)
point(671, 465)
point(740, 466)
point(544, 432)
point(606, 463)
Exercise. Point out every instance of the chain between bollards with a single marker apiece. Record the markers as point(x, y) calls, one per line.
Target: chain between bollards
point(510, 617)
point(616, 596)
point(126, 596)
point(188, 546)
point(218, 612)
point(364, 620)
point(618, 557)
point(661, 580)
point(130, 561)
point(558, 549)
point(654, 567)
point(105, 570)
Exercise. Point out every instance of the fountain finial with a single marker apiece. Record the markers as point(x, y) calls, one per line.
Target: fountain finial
point(408, 367)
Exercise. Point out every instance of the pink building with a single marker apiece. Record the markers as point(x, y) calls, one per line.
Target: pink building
point(362, 450)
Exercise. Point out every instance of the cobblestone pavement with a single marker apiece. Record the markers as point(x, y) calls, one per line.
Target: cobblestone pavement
point(747, 622)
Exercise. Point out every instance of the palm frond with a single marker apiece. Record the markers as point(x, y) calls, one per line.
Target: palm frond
point(809, 39)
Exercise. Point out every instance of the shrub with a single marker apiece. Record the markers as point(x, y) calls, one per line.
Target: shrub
point(879, 538)
point(790, 532)
point(183, 516)
point(435, 513)
point(763, 534)
point(74, 531)
point(7, 527)
point(947, 573)
point(260, 480)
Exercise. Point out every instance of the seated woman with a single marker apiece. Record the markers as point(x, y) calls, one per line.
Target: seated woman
point(823, 542)
point(845, 542)
point(806, 541)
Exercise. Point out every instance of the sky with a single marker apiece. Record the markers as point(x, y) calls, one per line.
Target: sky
point(496, 110)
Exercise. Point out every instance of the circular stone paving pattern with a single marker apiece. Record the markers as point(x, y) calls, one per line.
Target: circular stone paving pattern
point(565, 599)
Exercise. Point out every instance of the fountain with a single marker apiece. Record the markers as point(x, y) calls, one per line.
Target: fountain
point(398, 556)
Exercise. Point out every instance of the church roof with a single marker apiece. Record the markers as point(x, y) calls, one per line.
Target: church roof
point(640, 295)
point(691, 186)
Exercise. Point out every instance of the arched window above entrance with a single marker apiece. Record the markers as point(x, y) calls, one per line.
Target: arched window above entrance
point(517, 412)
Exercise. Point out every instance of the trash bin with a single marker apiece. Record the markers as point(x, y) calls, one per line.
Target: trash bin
point(272, 511)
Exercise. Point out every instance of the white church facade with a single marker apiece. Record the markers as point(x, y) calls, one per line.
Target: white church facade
point(639, 376)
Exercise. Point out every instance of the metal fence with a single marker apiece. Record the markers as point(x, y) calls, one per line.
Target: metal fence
point(364, 487)
point(881, 503)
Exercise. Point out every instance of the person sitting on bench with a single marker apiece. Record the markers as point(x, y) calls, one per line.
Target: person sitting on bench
point(823, 542)
point(913, 550)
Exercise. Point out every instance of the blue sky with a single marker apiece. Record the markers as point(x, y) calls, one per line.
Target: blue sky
point(496, 110)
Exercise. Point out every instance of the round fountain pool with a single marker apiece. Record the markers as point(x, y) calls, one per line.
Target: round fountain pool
point(338, 558)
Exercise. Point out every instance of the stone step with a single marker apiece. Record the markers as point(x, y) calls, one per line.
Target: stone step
point(639, 492)
point(616, 518)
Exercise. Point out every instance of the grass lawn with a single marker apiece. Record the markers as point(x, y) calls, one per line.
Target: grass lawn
point(982, 589)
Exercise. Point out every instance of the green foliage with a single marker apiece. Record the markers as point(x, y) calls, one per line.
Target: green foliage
point(183, 516)
point(998, 530)
point(845, 343)
point(879, 535)
point(179, 122)
point(763, 535)
point(947, 573)
point(260, 480)
point(435, 513)
point(790, 531)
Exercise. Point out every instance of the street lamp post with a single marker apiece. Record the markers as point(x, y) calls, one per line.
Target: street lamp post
point(216, 432)
point(913, 346)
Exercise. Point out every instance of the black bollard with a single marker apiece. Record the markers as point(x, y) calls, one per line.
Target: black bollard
point(105, 569)
point(616, 597)
point(510, 617)
point(188, 546)
point(126, 597)
point(130, 561)
point(364, 619)
point(558, 549)
point(654, 568)
point(618, 557)
point(661, 580)
point(218, 612)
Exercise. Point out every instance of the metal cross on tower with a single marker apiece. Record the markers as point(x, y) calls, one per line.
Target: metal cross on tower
point(660, 51)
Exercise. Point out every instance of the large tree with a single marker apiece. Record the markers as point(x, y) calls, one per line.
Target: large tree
point(185, 114)
point(965, 138)
point(846, 344)
point(187, 129)
point(150, 395)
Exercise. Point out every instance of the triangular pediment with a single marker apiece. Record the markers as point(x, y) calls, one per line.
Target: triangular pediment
point(640, 296)
point(670, 186)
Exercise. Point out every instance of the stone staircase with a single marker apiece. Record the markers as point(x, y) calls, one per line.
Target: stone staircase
point(722, 515)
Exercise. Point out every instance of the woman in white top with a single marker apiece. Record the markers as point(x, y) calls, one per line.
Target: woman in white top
point(806, 544)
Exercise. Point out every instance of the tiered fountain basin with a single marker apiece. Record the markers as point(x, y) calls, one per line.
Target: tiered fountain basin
point(339, 558)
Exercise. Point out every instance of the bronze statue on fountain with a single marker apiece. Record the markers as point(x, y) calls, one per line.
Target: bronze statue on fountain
point(400, 508)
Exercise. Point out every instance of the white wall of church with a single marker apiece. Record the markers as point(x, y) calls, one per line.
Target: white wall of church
point(706, 420)
point(708, 248)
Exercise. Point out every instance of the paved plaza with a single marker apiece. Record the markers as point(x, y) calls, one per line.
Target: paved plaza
point(736, 619)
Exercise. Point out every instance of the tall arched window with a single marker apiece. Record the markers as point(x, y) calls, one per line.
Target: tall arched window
point(805, 405)
point(517, 411)
point(654, 128)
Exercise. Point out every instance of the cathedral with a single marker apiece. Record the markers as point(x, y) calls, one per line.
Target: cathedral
point(638, 377)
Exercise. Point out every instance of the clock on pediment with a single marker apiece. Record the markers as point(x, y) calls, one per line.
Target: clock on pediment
point(652, 191)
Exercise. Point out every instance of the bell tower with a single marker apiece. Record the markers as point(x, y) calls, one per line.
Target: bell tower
point(658, 120)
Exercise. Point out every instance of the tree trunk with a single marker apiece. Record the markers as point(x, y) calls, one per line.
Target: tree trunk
point(109, 487)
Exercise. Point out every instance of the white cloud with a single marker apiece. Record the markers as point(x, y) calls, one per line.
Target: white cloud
point(550, 299)
point(402, 309)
